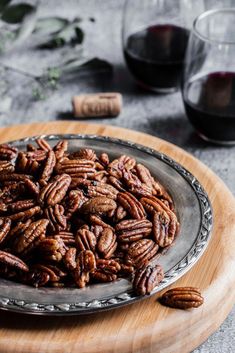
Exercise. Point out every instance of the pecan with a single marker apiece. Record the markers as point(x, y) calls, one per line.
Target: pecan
point(49, 166)
point(60, 149)
point(54, 192)
point(52, 249)
point(101, 176)
point(146, 178)
point(21, 205)
point(13, 177)
point(101, 189)
point(147, 278)
point(6, 167)
point(7, 152)
point(37, 155)
point(182, 298)
point(27, 241)
point(85, 239)
point(11, 192)
point(31, 187)
point(47, 269)
point(5, 226)
point(76, 167)
point(96, 220)
point(73, 201)
point(131, 230)
point(13, 261)
point(17, 230)
point(167, 218)
point(56, 218)
point(26, 165)
point(97, 230)
point(116, 167)
point(116, 183)
point(86, 263)
point(126, 269)
point(43, 144)
point(107, 243)
point(67, 237)
point(119, 214)
point(30, 147)
point(131, 205)
point(85, 153)
point(98, 205)
point(70, 259)
point(106, 270)
point(26, 214)
point(36, 278)
point(141, 252)
point(104, 159)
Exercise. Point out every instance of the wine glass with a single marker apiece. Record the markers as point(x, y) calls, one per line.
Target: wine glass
point(155, 36)
point(209, 76)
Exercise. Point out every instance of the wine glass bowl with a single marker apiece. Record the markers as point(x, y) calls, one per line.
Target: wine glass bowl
point(155, 37)
point(209, 76)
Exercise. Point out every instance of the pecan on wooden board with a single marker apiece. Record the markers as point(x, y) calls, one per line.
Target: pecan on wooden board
point(182, 298)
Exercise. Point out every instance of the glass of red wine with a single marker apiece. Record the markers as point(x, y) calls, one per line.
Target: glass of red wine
point(155, 36)
point(209, 76)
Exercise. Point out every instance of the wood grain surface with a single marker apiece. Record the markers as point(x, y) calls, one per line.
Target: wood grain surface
point(144, 327)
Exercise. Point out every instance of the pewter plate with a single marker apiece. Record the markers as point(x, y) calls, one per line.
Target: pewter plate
point(195, 214)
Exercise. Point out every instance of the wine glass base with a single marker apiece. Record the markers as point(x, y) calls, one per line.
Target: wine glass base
point(216, 142)
point(157, 89)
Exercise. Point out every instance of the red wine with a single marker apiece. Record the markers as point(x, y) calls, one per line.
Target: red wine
point(210, 105)
point(155, 56)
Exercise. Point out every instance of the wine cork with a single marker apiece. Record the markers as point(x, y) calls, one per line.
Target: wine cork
point(97, 105)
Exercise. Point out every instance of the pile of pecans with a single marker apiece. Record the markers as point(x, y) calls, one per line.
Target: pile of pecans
point(71, 219)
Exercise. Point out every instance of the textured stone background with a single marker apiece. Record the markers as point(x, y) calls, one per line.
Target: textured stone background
point(159, 115)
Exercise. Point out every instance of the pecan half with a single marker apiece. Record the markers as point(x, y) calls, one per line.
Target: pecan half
point(7, 152)
point(131, 230)
point(49, 166)
point(26, 165)
point(32, 187)
point(67, 237)
point(106, 270)
point(60, 149)
point(107, 243)
point(26, 214)
point(117, 184)
point(29, 239)
point(56, 218)
point(13, 261)
point(86, 263)
point(131, 205)
point(76, 167)
point(85, 239)
point(141, 252)
point(52, 249)
point(6, 167)
point(5, 226)
point(147, 278)
point(182, 298)
point(84, 153)
point(70, 259)
point(96, 220)
point(55, 191)
point(21, 205)
point(43, 144)
point(104, 159)
point(98, 205)
point(101, 189)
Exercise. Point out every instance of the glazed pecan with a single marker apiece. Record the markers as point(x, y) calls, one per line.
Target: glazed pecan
point(86, 263)
point(70, 259)
point(96, 220)
point(47, 269)
point(116, 167)
point(131, 230)
point(33, 234)
point(55, 191)
point(60, 149)
point(7, 152)
point(142, 252)
point(116, 183)
point(85, 239)
point(106, 270)
point(147, 278)
point(120, 213)
point(104, 159)
point(131, 205)
point(76, 167)
point(85, 153)
point(25, 214)
point(13, 261)
point(163, 232)
point(13, 177)
point(107, 243)
point(17, 230)
point(21, 205)
point(32, 187)
point(146, 178)
point(37, 155)
point(49, 166)
point(52, 249)
point(72, 202)
point(101, 176)
point(134, 185)
point(99, 189)
point(182, 298)
point(36, 278)
point(26, 165)
point(6, 167)
point(98, 205)
point(5, 226)
point(56, 218)
point(67, 237)
point(43, 145)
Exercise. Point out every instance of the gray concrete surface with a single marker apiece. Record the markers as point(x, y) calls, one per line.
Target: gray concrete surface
point(162, 116)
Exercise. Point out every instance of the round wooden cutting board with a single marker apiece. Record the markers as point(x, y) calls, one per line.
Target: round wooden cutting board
point(146, 326)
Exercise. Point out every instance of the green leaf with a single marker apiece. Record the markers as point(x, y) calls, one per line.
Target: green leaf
point(3, 4)
point(16, 13)
point(94, 65)
point(50, 25)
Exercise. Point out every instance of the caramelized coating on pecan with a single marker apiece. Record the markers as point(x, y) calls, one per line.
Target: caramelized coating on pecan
point(182, 298)
point(74, 218)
